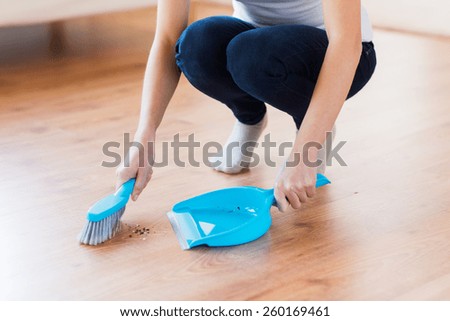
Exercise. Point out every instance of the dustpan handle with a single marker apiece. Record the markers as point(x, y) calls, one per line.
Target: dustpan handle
point(321, 180)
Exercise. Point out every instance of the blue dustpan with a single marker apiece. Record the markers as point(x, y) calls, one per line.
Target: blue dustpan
point(225, 217)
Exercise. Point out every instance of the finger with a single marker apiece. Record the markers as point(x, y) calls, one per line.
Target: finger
point(310, 190)
point(139, 185)
point(142, 179)
point(301, 193)
point(293, 200)
point(280, 197)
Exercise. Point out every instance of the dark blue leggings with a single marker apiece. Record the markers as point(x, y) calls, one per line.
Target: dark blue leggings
point(244, 67)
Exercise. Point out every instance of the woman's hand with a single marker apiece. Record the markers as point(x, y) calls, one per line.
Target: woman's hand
point(137, 164)
point(343, 25)
point(294, 185)
point(160, 80)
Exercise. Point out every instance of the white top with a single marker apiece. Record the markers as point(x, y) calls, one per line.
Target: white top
point(273, 12)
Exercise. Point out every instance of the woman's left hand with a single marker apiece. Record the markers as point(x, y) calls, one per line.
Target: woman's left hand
point(294, 185)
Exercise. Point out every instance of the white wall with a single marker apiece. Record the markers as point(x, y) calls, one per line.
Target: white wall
point(430, 16)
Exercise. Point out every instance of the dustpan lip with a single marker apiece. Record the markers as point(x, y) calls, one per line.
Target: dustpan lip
point(178, 231)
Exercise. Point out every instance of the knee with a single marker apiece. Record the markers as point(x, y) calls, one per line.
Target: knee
point(188, 48)
point(251, 61)
point(195, 49)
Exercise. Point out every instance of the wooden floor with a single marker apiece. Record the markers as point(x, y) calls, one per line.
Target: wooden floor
point(381, 231)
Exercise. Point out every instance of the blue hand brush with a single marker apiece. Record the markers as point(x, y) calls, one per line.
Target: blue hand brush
point(104, 216)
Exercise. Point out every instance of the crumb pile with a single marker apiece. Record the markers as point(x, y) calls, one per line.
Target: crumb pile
point(137, 231)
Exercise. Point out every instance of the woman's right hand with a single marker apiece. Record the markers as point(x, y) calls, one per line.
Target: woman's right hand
point(137, 164)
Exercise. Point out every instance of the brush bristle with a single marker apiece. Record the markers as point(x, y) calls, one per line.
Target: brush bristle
point(95, 233)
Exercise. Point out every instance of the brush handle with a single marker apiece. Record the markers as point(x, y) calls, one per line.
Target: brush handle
point(126, 189)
